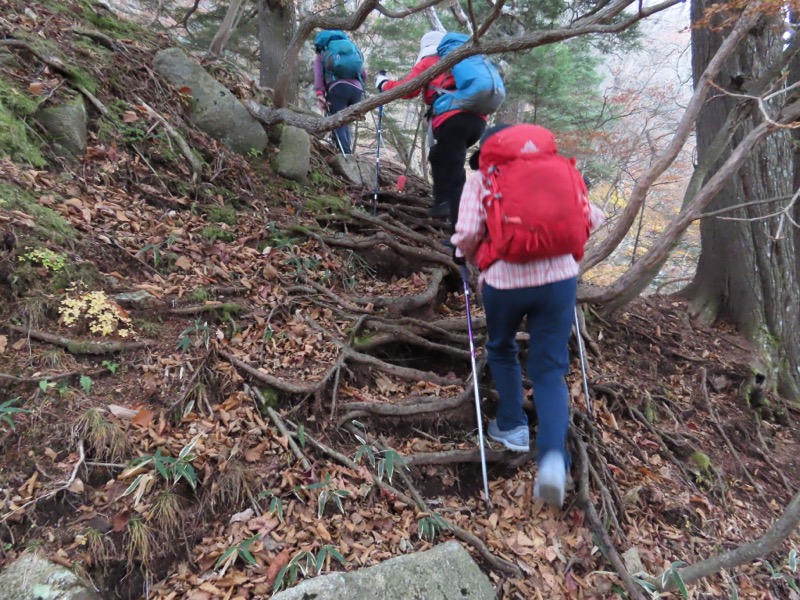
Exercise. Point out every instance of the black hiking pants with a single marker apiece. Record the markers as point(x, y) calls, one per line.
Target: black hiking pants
point(448, 156)
point(340, 96)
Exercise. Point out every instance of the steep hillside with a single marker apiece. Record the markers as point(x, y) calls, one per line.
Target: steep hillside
point(212, 388)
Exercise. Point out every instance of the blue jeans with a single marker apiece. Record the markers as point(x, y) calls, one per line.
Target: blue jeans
point(550, 312)
point(340, 96)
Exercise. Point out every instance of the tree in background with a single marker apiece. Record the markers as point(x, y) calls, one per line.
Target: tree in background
point(749, 267)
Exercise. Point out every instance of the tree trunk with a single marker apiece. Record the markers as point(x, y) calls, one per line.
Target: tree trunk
point(276, 24)
point(227, 27)
point(744, 274)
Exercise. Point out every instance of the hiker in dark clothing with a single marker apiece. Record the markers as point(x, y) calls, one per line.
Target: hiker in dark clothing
point(450, 133)
point(337, 93)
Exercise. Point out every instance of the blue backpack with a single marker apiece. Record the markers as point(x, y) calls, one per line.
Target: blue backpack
point(341, 58)
point(479, 87)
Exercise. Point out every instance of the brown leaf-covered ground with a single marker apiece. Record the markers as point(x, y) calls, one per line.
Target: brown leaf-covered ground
point(333, 317)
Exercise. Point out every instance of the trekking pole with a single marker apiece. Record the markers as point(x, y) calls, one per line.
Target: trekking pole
point(377, 162)
point(583, 363)
point(465, 279)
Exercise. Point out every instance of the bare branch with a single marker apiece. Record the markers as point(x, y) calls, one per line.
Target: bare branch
point(596, 24)
point(682, 131)
point(496, 10)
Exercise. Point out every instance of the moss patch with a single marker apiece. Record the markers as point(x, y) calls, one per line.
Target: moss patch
point(17, 138)
point(214, 234)
point(327, 204)
point(222, 214)
point(48, 223)
point(701, 461)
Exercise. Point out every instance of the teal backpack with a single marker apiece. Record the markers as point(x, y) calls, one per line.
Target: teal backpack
point(341, 58)
point(479, 86)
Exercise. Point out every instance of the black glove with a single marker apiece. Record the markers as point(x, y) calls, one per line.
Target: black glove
point(459, 260)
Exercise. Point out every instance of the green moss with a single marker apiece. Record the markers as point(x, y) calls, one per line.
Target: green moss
point(320, 204)
point(147, 328)
point(47, 222)
point(17, 138)
point(84, 274)
point(199, 295)
point(222, 214)
point(270, 395)
point(214, 234)
point(701, 461)
point(651, 412)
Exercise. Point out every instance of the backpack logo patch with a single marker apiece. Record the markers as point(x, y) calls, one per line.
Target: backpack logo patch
point(529, 148)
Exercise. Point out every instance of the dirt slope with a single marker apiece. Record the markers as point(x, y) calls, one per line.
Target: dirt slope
point(190, 442)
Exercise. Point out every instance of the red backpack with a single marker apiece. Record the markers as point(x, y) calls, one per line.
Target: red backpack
point(537, 206)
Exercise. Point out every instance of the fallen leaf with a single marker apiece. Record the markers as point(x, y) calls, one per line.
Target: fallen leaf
point(36, 87)
point(240, 517)
point(50, 453)
point(3, 343)
point(121, 412)
point(143, 418)
point(277, 564)
point(129, 116)
point(120, 521)
point(76, 487)
point(19, 344)
point(186, 90)
point(183, 263)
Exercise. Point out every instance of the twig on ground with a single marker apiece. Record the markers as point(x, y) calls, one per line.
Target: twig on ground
point(276, 418)
point(191, 157)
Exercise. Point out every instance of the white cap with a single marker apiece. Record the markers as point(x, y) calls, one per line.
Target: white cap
point(429, 43)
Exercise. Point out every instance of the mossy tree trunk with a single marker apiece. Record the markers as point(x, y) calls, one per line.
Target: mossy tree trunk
point(744, 273)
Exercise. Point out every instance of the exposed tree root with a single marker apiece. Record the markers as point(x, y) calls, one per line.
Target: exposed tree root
point(403, 304)
point(79, 346)
point(393, 333)
point(229, 307)
point(418, 501)
point(276, 382)
point(765, 454)
point(419, 255)
point(448, 457)
point(191, 157)
point(718, 426)
point(256, 395)
point(50, 377)
point(356, 410)
point(601, 535)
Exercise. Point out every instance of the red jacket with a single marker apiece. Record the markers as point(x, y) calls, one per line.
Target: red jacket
point(444, 81)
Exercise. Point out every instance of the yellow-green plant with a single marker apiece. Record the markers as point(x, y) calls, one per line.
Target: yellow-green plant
point(101, 314)
point(52, 261)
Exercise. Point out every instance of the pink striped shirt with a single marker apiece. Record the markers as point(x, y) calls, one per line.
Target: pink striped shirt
point(502, 275)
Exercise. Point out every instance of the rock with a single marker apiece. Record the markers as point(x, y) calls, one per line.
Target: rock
point(213, 108)
point(66, 124)
point(137, 299)
point(446, 572)
point(356, 170)
point(633, 562)
point(32, 577)
point(294, 154)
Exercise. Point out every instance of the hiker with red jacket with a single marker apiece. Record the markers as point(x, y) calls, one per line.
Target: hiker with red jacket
point(338, 78)
point(451, 132)
point(524, 219)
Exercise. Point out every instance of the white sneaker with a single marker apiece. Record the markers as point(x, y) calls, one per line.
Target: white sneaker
point(551, 479)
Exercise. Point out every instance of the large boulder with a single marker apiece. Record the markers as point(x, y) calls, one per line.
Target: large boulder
point(294, 154)
point(213, 108)
point(357, 171)
point(32, 577)
point(446, 572)
point(66, 125)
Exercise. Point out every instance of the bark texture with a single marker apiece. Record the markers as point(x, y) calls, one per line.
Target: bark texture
point(276, 25)
point(744, 274)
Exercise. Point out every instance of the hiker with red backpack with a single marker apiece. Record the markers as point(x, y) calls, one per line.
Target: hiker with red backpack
point(338, 78)
point(524, 219)
point(459, 101)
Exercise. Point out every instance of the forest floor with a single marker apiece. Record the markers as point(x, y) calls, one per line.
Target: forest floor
point(285, 385)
